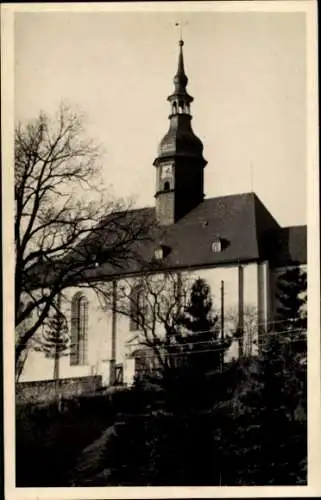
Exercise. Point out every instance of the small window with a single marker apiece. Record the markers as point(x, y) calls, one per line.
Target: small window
point(166, 186)
point(159, 253)
point(216, 246)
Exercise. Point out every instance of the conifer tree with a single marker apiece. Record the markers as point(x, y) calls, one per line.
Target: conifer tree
point(266, 437)
point(198, 350)
point(291, 296)
point(55, 340)
point(291, 317)
point(200, 332)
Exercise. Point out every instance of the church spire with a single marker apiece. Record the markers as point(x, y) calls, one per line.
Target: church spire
point(180, 99)
point(180, 139)
point(179, 162)
point(180, 79)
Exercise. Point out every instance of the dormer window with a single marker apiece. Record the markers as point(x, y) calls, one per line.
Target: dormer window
point(217, 245)
point(159, 253)
point(95, 262)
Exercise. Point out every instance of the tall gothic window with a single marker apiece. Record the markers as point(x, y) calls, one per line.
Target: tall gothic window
point(137, 307)
point(79, 330)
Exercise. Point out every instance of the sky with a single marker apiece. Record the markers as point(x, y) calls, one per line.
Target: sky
point(247, 74)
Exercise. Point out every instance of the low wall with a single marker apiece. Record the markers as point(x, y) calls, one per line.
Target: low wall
point(45, 390)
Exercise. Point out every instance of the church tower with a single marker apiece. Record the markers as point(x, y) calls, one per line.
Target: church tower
point(179, 163)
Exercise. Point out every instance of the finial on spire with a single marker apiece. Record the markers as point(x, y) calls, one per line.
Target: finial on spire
point(181, 24)
point(180, 79)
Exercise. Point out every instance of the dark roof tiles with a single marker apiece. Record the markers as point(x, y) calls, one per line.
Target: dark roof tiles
point(247, 230)
point(289, 246)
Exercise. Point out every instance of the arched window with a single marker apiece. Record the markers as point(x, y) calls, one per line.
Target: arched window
point(79, 330)
point(166, 186)
point(137, 307)
point(174, 108)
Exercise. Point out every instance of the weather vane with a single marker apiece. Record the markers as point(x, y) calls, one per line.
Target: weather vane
point(181, 24)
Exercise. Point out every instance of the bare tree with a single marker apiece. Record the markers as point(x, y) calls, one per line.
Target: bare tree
point(164, 334)
point(245, 328)
point(154, 303)
point(66, 226)
point(20, 364)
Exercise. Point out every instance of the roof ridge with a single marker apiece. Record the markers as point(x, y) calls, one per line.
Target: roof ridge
point(258, 200)
point(232, 195)
point(294, 226)
point(148, 207)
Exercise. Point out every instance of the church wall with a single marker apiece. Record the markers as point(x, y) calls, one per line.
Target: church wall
point(99, 335)
point(251, 285)
point(39, 367)
point(245, 287)
point(36, 366)
point(243, 292)
point(123, 333)
point(214, 277)
point(127, 339)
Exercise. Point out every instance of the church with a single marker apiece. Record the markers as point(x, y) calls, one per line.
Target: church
point(233, 242)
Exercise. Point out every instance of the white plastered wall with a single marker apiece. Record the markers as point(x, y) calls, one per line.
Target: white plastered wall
point(38, 367)
point(244, 286)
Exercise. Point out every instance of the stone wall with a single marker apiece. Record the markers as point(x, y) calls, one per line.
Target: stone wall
point(45, 390)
